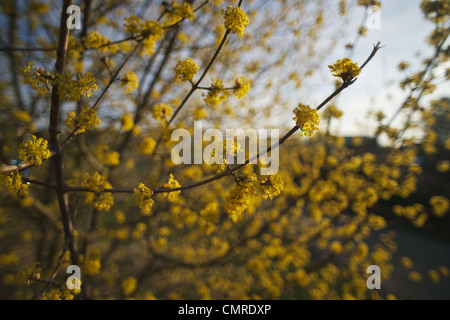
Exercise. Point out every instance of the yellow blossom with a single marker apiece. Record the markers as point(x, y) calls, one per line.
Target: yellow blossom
point(171, 184)
point(180, 12)
point(142, 197)
point(242, 87)
point(120, 217)
point(345, 69)
point(151, 31)
point(186, 70)
point(148, 145)
point(162, 112)
point(14, 184)
point(98, 183)
point(216, 95)
point(406, 263)
point(272, 186)
point(106, 157)
point(440, 205)
point(236, 20)
point(37, 78)
point(73, 90)
point(29, 274)
point(129, 82)
point(94, 40)
point(34, 150)
point(22, 116)
point(307, 119)
point(239, 197)
point(92, 266)
point(434, 276)
point(443, 166)
point(129, 285)
point(415, 276)
point(127, 122)
point(87, 119)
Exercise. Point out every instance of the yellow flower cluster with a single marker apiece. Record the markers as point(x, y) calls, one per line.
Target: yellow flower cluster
point(150, 30)
point(440, 205)
point(415, 213)
point(186, 70)
point(94, 40)
point(171, 184)
point(345, 69)
point(242, 87)
point(87, 119)
point(13, 184)
point(73, 90)
point(38, 79)
point(307, 119)
point(161, 112)
point(129, 82)
point(92, 264)
point(236, 20)
point(272, 186)
point(129, 285)
point(34, 150)
point(127, 122)
point(29, 274)
point(333, 112)
point(106, 157)
point(406, 263)
point(239, 198)
point(180, 12)
point(148, 145)
point(22, 116)
point(57, 294)
point(143, 198)
point(97, 183)
point(216, 94)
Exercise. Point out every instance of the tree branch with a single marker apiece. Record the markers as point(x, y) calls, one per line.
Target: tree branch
point(55, 107)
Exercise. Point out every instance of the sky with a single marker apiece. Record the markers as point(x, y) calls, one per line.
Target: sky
point(403, 31)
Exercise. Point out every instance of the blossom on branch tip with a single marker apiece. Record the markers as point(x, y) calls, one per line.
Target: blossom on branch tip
point(236, 20)
point(345, 69)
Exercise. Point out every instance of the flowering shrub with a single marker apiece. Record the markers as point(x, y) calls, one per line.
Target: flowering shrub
point(98, 188)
